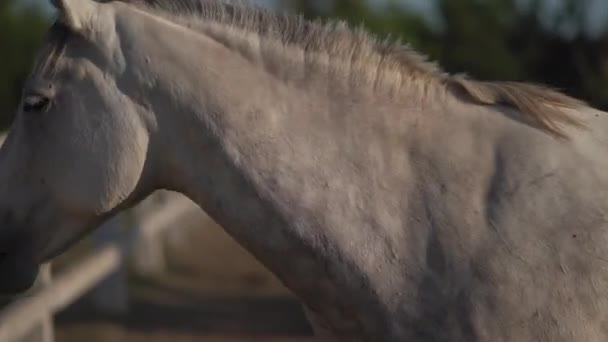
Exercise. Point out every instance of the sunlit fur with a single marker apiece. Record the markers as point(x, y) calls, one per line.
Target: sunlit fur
point(353, 54)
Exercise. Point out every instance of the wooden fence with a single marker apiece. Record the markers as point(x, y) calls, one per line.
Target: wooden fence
point(102, 274)
point(129, 239)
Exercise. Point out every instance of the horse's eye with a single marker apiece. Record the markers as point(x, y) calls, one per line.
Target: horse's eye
point(35, 103)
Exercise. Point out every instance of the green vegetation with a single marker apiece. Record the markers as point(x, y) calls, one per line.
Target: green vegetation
point(21, 30)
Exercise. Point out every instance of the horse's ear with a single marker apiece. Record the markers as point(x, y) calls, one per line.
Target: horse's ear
point(76, 14)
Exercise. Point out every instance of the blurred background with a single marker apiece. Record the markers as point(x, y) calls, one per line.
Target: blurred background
point(212, 289)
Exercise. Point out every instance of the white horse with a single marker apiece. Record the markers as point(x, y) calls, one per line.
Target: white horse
point(398, 202)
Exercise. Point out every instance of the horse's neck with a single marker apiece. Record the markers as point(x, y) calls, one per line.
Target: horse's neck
point(280, 169)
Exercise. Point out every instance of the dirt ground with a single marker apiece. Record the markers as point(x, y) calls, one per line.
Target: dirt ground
point(213, 291)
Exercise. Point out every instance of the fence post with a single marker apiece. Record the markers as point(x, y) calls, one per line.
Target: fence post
point(148, 250)
point(111, 296)
point(44, 331)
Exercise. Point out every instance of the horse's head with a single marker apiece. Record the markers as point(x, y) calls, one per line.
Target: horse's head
point(77, 150)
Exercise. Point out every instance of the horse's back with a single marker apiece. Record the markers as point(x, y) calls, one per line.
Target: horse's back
point(541, 271)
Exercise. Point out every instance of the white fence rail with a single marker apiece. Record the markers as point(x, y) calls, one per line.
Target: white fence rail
point(103, 270)
point(102, 273)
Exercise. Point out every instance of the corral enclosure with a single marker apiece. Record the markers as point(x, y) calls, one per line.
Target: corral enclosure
point(212, 290)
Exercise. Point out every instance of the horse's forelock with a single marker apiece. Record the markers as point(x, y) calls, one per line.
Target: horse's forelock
point(53, 49)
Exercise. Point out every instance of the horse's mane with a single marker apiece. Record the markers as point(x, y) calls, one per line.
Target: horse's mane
point(542, 106)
